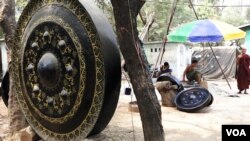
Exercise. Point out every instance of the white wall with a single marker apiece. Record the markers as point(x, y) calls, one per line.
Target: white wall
point(178, 55)
point(4, 56)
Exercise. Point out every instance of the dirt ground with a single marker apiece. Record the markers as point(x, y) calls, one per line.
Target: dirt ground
point(204, 125)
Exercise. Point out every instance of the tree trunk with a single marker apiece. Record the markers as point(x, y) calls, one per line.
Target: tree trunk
point(7, 21)
point(125, 13)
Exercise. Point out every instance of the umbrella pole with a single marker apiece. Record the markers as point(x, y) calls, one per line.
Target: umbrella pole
point(219, 65)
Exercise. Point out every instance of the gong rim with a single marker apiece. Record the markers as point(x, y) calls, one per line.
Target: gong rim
point(211, 100)
point(52, 127)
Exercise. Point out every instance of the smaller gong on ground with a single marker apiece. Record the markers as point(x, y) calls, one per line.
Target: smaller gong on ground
point(193, 99)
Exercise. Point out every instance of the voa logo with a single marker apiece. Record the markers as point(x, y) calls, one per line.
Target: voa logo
point(236, 132)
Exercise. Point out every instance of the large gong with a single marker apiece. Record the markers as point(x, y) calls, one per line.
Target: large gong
point(66, 68)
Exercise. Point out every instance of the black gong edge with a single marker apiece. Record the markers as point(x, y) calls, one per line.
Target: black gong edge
point(5, 88)
point(172, 79)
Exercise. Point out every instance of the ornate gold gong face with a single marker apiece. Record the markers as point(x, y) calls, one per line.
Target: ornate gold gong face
point(52, 70)
point(67, 69)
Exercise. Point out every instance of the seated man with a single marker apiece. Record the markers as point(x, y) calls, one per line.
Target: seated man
point(165, 69)
point(191, 73)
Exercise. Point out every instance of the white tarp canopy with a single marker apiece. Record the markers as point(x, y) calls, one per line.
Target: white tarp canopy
point(208, 66)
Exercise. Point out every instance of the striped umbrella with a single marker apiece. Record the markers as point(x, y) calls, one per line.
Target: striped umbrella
point(205, 31)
